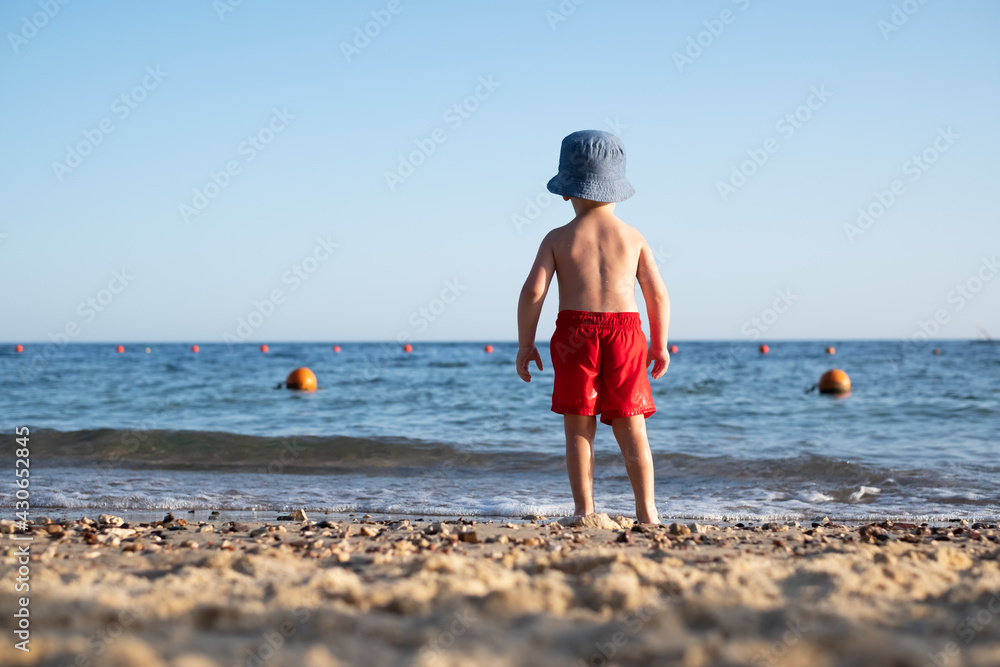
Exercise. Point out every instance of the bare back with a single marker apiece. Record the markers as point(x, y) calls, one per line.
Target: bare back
point(596, 261)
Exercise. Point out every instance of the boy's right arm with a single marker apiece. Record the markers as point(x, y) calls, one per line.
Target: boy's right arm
point(657, 309)
point(529, 308)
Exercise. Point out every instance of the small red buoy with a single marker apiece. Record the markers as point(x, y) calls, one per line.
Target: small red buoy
point(120, 348)
point(672, 349)
point(195, 349)
point(264, 348)
point(936, 350)
point(407, 348)
point(764, 349)
point(302, 379)
point(835, 382)
point(831, 350)
point(19, 349)
point(336, 348)
point(488, 349)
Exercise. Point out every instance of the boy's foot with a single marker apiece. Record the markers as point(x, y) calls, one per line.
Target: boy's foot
point(648, 517)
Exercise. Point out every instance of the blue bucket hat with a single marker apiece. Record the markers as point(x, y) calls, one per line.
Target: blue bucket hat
point(592, 166)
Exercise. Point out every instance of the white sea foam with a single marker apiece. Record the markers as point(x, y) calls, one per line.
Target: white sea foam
point(864, 491)
point(814, 497)
point(486, 494)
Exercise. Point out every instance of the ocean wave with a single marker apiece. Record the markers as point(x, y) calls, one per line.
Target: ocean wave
point(848, 481)
point(201, 450)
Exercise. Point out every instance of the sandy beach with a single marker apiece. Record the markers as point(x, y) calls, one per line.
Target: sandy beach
point(194, 592)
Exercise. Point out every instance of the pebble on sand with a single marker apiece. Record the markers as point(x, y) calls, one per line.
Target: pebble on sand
point(679, 529)
point(601, 521)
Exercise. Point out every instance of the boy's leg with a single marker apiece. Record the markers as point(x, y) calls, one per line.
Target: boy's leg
point(580, 430)
point(630, 432)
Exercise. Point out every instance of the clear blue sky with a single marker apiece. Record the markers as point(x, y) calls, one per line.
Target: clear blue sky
point(343, 121)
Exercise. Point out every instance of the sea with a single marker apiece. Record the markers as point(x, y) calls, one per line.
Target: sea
point(450, 430)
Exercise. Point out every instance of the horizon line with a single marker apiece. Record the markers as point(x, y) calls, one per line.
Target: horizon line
point(478, 341)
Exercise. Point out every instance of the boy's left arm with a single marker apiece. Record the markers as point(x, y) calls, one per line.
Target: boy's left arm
point(657, 309)
point(529, 308)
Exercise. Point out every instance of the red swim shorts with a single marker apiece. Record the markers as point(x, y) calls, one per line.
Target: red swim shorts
point(599, 361)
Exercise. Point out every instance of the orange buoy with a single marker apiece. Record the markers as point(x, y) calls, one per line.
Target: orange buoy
point(835, 382)
point(764, 349)
point(19, 349)
point(488, 349)
point(936, 350)
point(831, 350)
point(148, 350)
point(195, 349)
point(672, 349)
point(336, 348)
point(407, 348)
point(302, 379)
point(264, 348)
point(120, 348)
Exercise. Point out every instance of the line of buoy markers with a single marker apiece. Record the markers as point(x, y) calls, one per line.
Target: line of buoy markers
point(673, 349)
point(835, 381)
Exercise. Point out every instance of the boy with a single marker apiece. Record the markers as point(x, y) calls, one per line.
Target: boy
point(599, 353)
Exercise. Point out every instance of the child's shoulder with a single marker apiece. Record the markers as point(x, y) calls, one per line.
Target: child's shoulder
point(575, 228)
point(627, 232)
point(556, 233)
point(629, 229)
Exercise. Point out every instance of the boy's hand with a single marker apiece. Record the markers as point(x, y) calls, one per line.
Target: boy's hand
point(661, 359)
point(524, 357)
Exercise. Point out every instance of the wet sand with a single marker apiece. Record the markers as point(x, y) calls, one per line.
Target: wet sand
point(318, 593)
